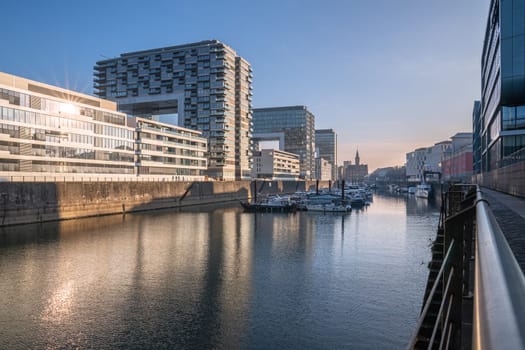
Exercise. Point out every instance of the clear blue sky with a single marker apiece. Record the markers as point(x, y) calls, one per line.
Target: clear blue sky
point(387, 75)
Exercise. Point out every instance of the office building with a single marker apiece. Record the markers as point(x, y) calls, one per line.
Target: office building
point(276, 165)
point(326, 147)
point(205, 86)
point(502, 131)
point(50, 131)
point(294, 128)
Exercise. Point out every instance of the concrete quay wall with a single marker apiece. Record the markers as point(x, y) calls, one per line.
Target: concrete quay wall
point(31, 202)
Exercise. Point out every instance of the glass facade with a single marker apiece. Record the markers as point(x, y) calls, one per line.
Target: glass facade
point(499, 130)
point(326, 146)
point(476, 137)
point(298, 126)
point(42, 133)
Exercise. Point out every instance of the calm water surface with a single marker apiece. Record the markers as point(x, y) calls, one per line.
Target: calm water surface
point(218, 278)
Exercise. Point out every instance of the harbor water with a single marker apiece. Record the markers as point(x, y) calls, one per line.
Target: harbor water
point(219, 278)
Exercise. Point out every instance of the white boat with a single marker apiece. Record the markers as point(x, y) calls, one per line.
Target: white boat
point(328, 208)
point(423, 190)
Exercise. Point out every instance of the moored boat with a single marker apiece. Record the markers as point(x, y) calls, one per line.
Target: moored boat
point(423, 190)
point(274, 204)
point(329, 208)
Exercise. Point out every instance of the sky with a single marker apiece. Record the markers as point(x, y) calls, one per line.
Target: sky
point(389, 76)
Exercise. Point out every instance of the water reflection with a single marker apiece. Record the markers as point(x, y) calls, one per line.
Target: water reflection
point(217, 278)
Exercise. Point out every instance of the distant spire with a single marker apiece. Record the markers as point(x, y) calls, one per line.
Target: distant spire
point(357, 157)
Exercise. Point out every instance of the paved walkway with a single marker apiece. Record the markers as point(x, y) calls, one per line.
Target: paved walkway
point(510, 214)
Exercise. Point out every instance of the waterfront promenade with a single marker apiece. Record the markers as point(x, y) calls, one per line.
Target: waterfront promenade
point(510, 213)
point(479, 255)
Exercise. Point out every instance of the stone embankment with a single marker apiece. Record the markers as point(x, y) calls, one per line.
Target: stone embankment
point(30, 202)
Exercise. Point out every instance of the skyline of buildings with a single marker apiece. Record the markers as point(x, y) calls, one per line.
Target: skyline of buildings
point(205, 86)
point(192, 84)
point(143, 147)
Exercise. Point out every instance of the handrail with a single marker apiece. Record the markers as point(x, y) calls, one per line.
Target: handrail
point(498, 310)
point(431, 295)
point(499, 293)
point(440, 312)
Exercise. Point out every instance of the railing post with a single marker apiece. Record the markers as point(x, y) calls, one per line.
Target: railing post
point(453, 233)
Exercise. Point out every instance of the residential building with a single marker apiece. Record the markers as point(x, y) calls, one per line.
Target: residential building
point(502, 129)
point(165, 149)
point(294, 127)
point(355, 173)
point(326, 146)
point(323, 169)
point(415, 162)
point(206, 86)
point(49, 131)
point(275, 164)
point(425, 163)
point(457, 161)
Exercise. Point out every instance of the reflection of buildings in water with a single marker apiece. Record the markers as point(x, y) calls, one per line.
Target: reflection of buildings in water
point(421, 206)
point(195, 266)
point(234, 284)
point(290, 233)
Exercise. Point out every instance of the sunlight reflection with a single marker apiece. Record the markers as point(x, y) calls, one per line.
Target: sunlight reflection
point(59, 304)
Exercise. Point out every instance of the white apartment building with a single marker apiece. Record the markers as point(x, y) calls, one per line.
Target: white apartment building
point(276, 165)
point(165, 149)
point(323, 169)
point(427, 159)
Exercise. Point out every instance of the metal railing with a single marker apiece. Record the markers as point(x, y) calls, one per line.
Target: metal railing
point(477, 298)
point(99, 178)
point(499, 300)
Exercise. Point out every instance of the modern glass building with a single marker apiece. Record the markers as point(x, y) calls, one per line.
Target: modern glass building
point(477, 127)
point(502, 123)
point(326, 146)
point(294, 128)
point(205, 86)
point(49, 131)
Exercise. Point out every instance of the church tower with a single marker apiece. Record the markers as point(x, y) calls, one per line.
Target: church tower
point(357, 157)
